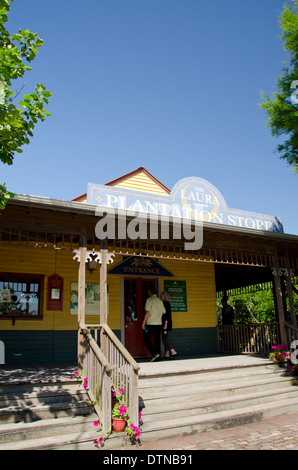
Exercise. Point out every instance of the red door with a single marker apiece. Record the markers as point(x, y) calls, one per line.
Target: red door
point(135, 296)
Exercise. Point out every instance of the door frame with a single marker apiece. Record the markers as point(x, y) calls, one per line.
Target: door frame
point(122, 316)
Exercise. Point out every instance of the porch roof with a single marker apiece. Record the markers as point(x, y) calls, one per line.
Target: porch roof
point(221, 243)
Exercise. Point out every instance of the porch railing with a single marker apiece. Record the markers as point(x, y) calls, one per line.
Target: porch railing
point(254, 338)
point(94, 366)
point(291, 333)
point(123, 368)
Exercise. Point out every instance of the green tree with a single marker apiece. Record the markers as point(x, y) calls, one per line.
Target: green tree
point(17, 121)
point(257, 307)
point(282, 108)
point(253, 307)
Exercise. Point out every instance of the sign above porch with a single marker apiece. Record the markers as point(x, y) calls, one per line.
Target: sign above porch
point(137, 265)
point(191, 198)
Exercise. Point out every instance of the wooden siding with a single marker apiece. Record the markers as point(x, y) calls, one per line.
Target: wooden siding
point(201, 295)
point(48, 262)
point(141, 182)
point(199, 277)
point(114, 285)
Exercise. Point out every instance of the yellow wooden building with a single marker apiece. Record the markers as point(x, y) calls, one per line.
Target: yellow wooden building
point(40, 283)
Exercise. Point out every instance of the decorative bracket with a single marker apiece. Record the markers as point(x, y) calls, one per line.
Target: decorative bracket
point(93, 256)
point(282, 272)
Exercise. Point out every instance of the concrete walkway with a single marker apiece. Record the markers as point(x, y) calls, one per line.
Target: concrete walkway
point(280, 433)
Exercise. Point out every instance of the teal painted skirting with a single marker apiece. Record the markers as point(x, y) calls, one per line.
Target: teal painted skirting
point(195, 341)
point(28, 347)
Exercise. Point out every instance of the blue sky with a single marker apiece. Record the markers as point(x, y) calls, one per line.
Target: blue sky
point(171, 85)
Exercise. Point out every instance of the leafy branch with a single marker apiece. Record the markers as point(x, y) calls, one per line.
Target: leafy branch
point(17, 122)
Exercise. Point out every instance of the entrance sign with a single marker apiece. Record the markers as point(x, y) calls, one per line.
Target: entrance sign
point(136, 265)
point(177, 293)
point(191, 198)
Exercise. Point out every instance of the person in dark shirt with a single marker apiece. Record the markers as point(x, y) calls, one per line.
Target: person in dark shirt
point(227, 312)
point(170, 352)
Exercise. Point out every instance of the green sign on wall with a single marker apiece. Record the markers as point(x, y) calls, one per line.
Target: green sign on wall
point(177, 293)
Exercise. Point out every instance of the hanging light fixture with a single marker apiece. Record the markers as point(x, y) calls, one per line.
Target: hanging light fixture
point(92, 263)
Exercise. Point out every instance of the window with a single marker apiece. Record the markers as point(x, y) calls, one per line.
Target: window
point(21, 295)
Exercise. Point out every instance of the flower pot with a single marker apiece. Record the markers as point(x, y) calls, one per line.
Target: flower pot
point(118, 424)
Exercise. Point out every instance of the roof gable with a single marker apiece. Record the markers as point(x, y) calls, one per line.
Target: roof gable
point(140, 180)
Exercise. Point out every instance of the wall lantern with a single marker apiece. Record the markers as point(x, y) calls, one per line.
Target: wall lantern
point(92, 262)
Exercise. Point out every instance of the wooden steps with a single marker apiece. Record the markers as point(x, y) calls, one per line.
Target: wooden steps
point(51, 415)
point(204, 401)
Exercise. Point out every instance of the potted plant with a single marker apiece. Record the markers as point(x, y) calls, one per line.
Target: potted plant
point(119, 410)
point(119, 417)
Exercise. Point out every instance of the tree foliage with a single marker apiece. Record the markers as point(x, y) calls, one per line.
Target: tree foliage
point(282, 108)
point(255, 307)
point(17, 121)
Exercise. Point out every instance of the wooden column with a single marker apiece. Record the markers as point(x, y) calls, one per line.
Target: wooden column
point(81, 303)
point(103, 295)
point(133, 397)
point(279, 300)
point(290, 293)
point(81, 285)
point(106, 402)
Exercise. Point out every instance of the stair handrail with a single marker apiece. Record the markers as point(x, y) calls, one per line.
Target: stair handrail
point(98, 370)
point(106, 329)
point(125, 371)
point(96, 349)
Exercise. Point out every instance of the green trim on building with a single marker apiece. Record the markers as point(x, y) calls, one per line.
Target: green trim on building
point(44, 346)
point(195, 341)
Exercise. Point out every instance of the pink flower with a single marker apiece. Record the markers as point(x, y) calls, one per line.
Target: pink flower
point(95, 443)
point(96, 423)
point(137, 432)
point(100, 439)
point(76, 372)
point(123, 409)
point(121, 390)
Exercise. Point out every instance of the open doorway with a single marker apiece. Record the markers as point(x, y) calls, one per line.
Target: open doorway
point(135, 296)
